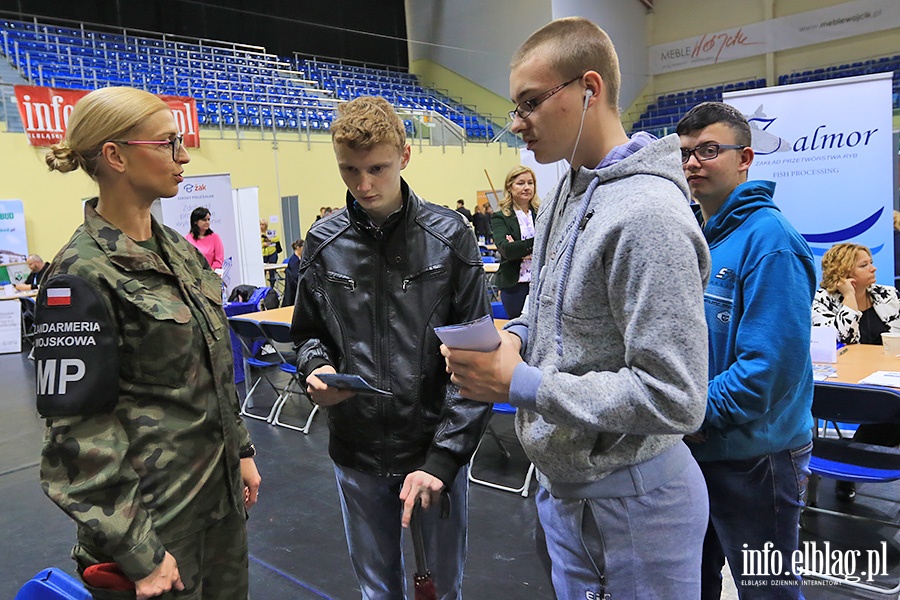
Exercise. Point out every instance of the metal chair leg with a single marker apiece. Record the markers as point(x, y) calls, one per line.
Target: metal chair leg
point(283, 399)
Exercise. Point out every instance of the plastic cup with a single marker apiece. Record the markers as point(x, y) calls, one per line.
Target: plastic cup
point(891, 342)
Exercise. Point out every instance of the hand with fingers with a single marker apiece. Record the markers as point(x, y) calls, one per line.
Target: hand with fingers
point(165, 577)
point(322, 394)
point(421, 486)
point(251, 478)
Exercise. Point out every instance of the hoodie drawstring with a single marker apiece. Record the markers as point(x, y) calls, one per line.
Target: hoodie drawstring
point(567, 260)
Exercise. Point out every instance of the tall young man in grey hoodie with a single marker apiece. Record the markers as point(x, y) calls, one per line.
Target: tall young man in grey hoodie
point(608, 365)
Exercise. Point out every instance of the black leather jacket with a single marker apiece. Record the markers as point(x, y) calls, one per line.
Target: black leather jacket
point(368, 300)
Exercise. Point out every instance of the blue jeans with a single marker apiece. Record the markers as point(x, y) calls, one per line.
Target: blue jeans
point(643, 547)
point(372, 510)
point(753, 502)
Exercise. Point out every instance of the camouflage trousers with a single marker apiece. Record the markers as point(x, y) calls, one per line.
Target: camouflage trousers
point(212, 563)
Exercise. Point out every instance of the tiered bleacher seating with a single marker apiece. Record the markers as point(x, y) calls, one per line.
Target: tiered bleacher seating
point(234, 85)
point(401, 89)
point(661, 116)
point(867, 67)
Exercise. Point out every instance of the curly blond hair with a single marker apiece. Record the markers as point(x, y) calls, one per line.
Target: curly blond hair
point(367, 121)
point(838, 263)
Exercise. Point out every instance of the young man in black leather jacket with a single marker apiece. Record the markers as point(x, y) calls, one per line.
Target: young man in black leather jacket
point(375, 279)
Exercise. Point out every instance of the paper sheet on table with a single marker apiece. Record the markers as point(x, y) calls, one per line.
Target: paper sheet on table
point(823, 372)
point(885, 378)
point(822, 347)
point(480, 335)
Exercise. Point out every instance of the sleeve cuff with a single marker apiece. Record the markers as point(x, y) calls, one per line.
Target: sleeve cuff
point(522, 332)
point(524, 386)
point(442, 465)
point(314, 364)
point(140, 560)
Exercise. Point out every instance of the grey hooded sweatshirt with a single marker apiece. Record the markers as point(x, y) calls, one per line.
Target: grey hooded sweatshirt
point(614, 334)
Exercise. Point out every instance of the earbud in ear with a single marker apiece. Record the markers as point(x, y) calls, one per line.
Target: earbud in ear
point(587, 97)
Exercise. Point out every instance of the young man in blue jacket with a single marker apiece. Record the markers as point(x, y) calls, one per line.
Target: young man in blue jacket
point(755, 442)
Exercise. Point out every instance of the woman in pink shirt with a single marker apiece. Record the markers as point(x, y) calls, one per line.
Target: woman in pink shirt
point(202, 237)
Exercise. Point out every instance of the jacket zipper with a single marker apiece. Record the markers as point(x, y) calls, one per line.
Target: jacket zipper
point(381, 358)
point(343, 280)
point(432, 270)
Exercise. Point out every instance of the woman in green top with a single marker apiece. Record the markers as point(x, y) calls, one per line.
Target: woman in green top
point(513, 229)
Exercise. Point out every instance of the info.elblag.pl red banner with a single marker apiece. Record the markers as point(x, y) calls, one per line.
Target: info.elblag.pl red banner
point(45, 112)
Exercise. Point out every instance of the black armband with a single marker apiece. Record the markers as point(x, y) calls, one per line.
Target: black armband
point(248, 452)
point(76, 350)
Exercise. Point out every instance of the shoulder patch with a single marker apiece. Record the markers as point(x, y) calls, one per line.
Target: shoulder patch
point(75, 350)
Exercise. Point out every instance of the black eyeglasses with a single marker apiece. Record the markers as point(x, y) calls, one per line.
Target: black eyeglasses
point(706, 151)
point(176, 142)
point(526, 107)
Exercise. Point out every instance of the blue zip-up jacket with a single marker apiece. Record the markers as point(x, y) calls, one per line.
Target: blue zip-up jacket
point(758, 304)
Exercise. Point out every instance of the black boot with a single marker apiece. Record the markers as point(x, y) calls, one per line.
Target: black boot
point(845, 491)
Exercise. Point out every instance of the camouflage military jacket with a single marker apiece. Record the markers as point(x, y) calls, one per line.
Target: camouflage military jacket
point(135, 379)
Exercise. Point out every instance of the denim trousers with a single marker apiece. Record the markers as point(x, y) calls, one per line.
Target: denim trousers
point(752, 503)
point(643, 547)
point(372, 510)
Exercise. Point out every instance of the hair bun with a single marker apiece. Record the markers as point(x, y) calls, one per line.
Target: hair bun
point(62, 158)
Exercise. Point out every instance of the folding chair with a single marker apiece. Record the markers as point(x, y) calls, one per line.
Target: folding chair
point(280, 336)
point(846, 460)
point(497, 310)
point(522, 490)
point(251, 337)
point(28, 308)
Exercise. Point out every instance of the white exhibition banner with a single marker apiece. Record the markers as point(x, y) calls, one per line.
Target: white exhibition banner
point(547, 175)
point(245, 207)
point(214, 193)
point(13, 241)
point(10, 326)
point(792, 31)
point(828, 147)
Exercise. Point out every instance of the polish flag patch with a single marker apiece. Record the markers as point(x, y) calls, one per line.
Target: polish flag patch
point(59, 296)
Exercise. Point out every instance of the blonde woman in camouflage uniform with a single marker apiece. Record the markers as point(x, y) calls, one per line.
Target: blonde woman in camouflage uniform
point(144, 448)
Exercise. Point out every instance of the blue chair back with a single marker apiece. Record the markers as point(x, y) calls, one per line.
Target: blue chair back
point(860, 404)
point(497, 310)
point(53, 584)
point(504, 408)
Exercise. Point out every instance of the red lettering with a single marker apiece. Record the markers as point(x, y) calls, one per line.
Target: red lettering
point(706, 45)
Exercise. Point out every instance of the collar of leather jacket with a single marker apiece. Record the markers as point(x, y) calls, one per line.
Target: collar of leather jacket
point(363, 223)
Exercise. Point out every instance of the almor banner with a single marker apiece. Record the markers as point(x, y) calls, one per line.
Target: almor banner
point(828, 147)
point(45, 113)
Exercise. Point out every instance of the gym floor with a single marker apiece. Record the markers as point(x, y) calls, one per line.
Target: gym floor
point(297, 547)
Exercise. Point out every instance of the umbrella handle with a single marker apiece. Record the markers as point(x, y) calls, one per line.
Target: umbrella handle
point(415, 527)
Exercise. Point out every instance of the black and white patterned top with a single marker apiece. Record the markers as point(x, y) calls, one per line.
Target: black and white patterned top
point(828, 310)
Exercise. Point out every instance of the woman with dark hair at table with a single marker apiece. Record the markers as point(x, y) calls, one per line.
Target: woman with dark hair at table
point(860, 310)
point(292, 274)
point(513, 230)
point(204, 239)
